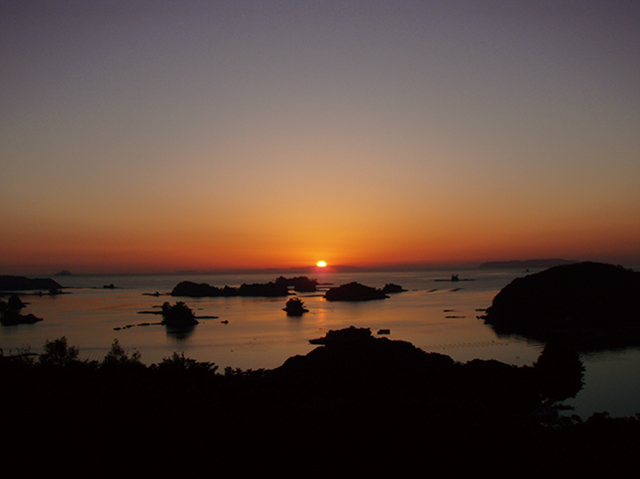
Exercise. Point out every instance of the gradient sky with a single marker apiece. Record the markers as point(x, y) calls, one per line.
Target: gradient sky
point(157, 136)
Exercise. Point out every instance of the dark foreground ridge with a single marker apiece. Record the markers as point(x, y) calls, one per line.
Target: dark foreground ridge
point(587, 305)
point(355, 404)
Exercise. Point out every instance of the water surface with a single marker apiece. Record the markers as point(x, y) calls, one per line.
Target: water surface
point(252, 333)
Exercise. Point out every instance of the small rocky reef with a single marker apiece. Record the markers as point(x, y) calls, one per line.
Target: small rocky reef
point(587, 305)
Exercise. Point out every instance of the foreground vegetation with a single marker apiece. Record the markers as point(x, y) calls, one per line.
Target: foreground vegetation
point(356, 404)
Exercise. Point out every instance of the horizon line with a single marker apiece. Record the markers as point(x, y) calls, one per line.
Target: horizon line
point(397, 267)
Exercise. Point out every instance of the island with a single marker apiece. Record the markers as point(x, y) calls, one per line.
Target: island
point(178, 316)
point(64, 272)
point(588, 304)
point(295, 307)
point(300, 284)
point(278, 288)
point(198, 290)
point(11, 312)
point(392, 288)
point(354, 292)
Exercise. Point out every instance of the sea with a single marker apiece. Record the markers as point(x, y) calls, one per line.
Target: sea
point(434, 314)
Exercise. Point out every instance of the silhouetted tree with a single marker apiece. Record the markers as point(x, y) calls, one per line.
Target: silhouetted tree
point(178, 362)
point(561, 372)
point(58, 353)
point(118, 356)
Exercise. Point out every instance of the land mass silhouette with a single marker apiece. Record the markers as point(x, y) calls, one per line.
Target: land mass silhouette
point(279, 287)
point(528, 263)
point(295, 307)
point(587, 305)
point(23, 283)
point(355, 403)
point(354, 292)
point(11, 312)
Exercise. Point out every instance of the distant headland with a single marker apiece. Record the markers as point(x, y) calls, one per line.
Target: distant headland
point(22, 283)
point(528, 263)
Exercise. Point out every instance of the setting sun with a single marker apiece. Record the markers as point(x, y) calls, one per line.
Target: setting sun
point(321, 264)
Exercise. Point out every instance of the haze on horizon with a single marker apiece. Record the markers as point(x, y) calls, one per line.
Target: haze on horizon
point(159, 136)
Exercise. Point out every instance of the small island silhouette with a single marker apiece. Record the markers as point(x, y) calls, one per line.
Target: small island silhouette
point(354, 292)
point(11, 312)
point(295, 307)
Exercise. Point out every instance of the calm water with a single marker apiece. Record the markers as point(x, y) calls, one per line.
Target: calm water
point(434, 315)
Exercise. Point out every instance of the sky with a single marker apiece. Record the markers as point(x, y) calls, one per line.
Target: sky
point(155, 136)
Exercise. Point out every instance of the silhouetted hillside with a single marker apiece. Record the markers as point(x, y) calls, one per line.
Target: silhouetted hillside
point(355, 404)
point(586, 304)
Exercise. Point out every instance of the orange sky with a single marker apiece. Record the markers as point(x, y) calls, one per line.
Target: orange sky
point(157, 137)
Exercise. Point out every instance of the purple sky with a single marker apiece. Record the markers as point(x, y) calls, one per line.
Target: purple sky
point(151, 135)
